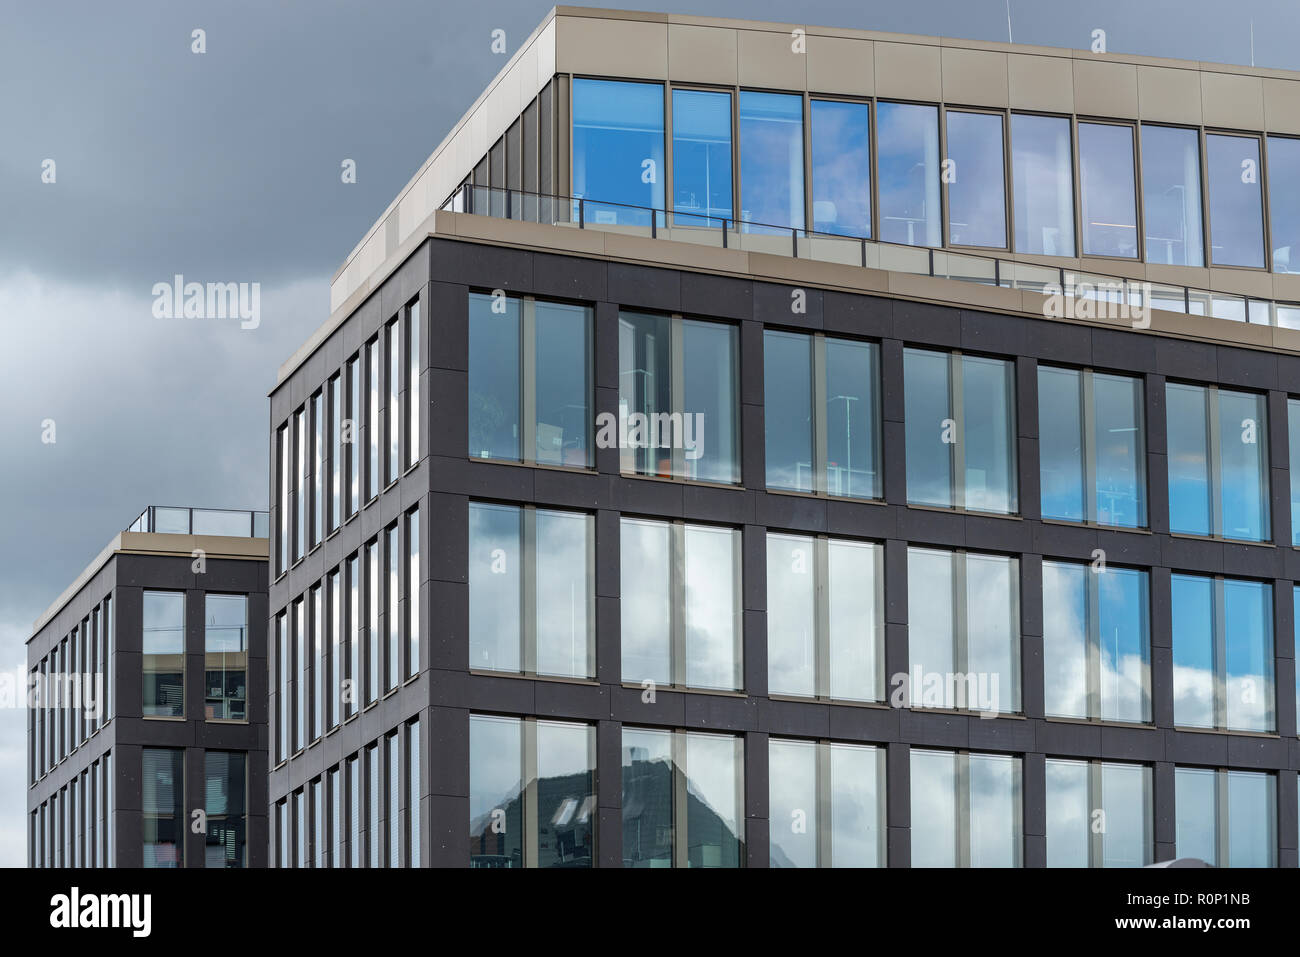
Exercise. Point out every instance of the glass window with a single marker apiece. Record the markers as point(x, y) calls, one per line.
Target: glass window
point(392, 612)
point(907, 147)
point(334, 661)
point(393, 814)
point(413, 793)
point(1107, 190)
point(683, 797)
point(316, 653)
point(282, 688)
point(355, 611)
point(835, 451)
point(554, 636)
point(977, 194)
point(413, 383)
point(301, 688)
point(680, 606)
point(1293, 433)
point(1218, 462)
point(352, 434)
point(701, 157)
point(963, 631)
point(960, 430)
point(1171, 195)
point(1284, 202)
point(374, 648)
point(1091, 422)
point(318, 468)
point(529, 380)
point(336, 450)
point(1226, 818)
point(356, 812)
point(678, 398)
point(1236, 204)
point(300, 484)
point(1223, 653)
point(841, 167)
point(1043, 184)
point(827, 804)
point(1096, 642)
point(1099, 814)
point(393, 403)
point(545, 817)
point(966, 809)
point(320, 848)
point(374, 807)
point(225, 649)
point(162, 784)
point(412, 592)
point(825, 618)
point(771, 160)
point(282, 507)
point(164, 654)
point(372, 418)
point(618, 150)
point(225, 797)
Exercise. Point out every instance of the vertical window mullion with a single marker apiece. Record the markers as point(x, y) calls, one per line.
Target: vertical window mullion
point(1088, 443)
point(821, 632)
point(681, 847)
point(820, 478)
point(1093, 591)
point(1221, 811)
point(529, 766)
point(959, 617)
point(677, 406)
point(1214, 468)
point(1096, 836)
point(824, 849)
point(528, 387)
point(957, 450)
point(677, 605)
point(1220, 645)
point(528, 589)
point(962, 804)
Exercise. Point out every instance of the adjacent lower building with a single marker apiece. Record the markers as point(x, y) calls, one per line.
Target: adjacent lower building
point(746, 444)
point(147, 700)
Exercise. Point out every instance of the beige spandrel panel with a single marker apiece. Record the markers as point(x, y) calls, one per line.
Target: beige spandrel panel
point(701, 54)
point(545, 44)
point(1041, 83)
point(1281, 105)
point(1232, 101)
point(772, 60)
point(842, 66)
point(974, 77)
point(908, 71)
point(1103, 88)
point(1168, 95)
point(629, 48)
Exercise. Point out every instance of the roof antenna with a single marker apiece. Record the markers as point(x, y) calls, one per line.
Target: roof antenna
point(1252, 33)
point(1252, 39)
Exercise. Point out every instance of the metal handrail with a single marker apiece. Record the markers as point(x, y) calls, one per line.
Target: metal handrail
point(1001, 272)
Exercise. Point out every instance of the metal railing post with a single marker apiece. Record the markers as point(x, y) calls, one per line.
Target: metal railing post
point(582, 213)
point(794, 242)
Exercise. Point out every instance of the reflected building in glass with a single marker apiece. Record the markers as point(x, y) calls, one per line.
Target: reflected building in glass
point(148, 719)
point(695, 469)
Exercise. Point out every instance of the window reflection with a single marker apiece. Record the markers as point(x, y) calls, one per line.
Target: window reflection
point(618, 150)
point(1107, 191)
point(908, 162)
point(977, 187)
point(163, 644)
point(1284, 202)
point(682, 799)
point(965, 809)
point(847, 780)
point(162, 782)
point(1043, 184)
point(1171, 195)
point(841, 167)
point(225, 649)
point(701, 157)
point(1226, 818)
point(1117, 832)
point(1236, 207)
point(1223, 653)
point(771, 159)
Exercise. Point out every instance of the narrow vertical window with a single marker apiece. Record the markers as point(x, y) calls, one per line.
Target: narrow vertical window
point(162, 783)
point(282, 688)
point(356, 812)
point(1236, 205)
point(977, 196)
point(702, 191)
point(225, 803)
point(374, 807)
point(412, 592)
point(318, 662)
point(840, 135)
point(318, 469)
point(908, 173)
point(336, 451)
point(225, 651)
point(1042, 175)
point(335, 664)
point(355, 678)
point(413, 794)
point(1107, 190)
point(413, 401)
point(1284, 204)
point(374, 643)
point(300, 483)
point(282, 509)
point(338, 834)
point(373, 475)
point(618, 150)
point(771, 161)
point(1171, 195)
point(164, 654)
point(393, 424)
point(394, 815)
point(301, 689)
point(393, 615)
point(352, 434)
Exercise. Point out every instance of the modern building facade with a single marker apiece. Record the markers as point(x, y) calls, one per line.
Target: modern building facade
point(748, 444)
point(147, 726)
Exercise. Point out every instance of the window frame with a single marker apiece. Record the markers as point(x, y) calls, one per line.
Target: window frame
point(1266, 238)
point(1077, 120)
point(1008, 208)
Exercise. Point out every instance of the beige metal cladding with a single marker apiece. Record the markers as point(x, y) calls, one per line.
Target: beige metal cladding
point(778, 56)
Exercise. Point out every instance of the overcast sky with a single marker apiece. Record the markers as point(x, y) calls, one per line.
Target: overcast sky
point(224, 167)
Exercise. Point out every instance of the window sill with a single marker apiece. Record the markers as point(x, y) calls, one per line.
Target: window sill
point(823, 496)
point(683, 689)
point(544, 466)
point(672, 480)
point(1097, 526)
point(1099, 723)
point(966, 712)
point(966, 512)
point(1249, 734)
point(561, 679)
point(1220, 540)
point(838, 702)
